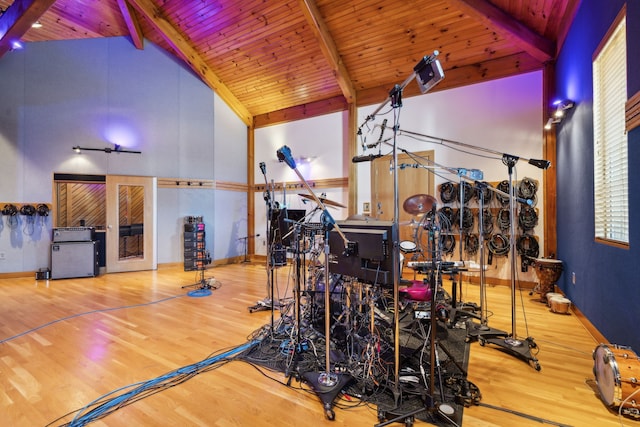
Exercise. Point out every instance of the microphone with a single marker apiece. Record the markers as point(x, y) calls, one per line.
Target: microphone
point(263, 168)
point(369, 158)
point(527, 202)
point(542, 164)
point(382, 128)
point(284, 155)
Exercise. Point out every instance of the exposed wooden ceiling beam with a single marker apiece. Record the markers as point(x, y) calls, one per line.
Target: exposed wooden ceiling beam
point(502, 23)
point(189, 55)
point(17, 20)
point(329, 49)
point(129, 16)
point(300, 112)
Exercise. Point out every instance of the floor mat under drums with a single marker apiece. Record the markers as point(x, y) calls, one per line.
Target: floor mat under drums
point(364, 357)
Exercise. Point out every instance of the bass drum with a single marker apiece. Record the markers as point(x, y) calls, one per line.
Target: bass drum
point(616, 369)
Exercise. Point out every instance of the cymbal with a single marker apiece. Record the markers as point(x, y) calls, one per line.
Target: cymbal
point(324, 201)
point(419, 203)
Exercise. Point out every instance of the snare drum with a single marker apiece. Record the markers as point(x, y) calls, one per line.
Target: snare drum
point(407, 246)
point(614, 368)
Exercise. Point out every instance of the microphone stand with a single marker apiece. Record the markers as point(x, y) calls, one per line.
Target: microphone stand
point(475, 331)
point(395, 97)
point(268, 302)
point(512, 344)
point(245, 241)
point(326, 384)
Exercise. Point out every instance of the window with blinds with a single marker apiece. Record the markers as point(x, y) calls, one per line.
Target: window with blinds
point(610, 163)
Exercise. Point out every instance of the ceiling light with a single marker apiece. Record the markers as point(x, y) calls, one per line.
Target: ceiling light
point(36, 24)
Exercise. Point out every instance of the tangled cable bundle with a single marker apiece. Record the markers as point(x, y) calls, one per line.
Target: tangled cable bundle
point(499, 244)
point(468, 192)
point(527, 188)
point(504, 187)
point(446, 215)
point(527, 246)
point(504, 219)
point(448, 242)
point(487, 222)
point(487, 194)
point(471, 244)
point(467, 219)
point(527, 218)
point(447, 192)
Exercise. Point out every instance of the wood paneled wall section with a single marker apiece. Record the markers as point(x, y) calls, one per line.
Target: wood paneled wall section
point(81, 201)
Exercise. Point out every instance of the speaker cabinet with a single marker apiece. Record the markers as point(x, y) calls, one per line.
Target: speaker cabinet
point(74, 259)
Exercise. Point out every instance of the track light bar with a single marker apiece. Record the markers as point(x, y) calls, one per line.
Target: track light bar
point(115, 149)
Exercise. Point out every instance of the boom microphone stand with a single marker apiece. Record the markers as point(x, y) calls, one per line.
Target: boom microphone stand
point(512, 344)
point(327, 384)
point(428, 72)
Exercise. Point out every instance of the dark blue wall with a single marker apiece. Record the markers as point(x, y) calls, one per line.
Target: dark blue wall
point(607, 286)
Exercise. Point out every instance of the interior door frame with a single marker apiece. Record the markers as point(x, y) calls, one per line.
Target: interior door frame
point(149, 258)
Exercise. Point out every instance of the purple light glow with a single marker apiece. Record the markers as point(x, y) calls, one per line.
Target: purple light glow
point(121, 134)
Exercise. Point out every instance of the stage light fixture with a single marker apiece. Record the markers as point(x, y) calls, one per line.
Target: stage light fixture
point(558, 113)
point(115, 149)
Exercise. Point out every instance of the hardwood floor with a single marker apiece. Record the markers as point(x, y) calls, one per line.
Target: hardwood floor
point(64, 343)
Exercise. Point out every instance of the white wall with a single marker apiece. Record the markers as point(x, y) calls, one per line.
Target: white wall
point(100, 92)
point(320, 138)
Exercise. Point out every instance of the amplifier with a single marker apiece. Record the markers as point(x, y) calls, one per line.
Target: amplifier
point(73, 234)
point(74, 259)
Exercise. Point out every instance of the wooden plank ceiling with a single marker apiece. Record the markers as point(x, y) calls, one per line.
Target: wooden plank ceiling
point(277, 60)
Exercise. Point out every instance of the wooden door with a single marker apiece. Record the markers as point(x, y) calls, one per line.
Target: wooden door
point(131, 223)
point(411, 181)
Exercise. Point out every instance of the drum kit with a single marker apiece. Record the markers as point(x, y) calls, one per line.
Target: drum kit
point(350, 311)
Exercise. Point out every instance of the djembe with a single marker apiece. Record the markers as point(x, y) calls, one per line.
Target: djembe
point(548, 272)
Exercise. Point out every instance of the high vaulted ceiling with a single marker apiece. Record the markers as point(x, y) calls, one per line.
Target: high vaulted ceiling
point(275, 60)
